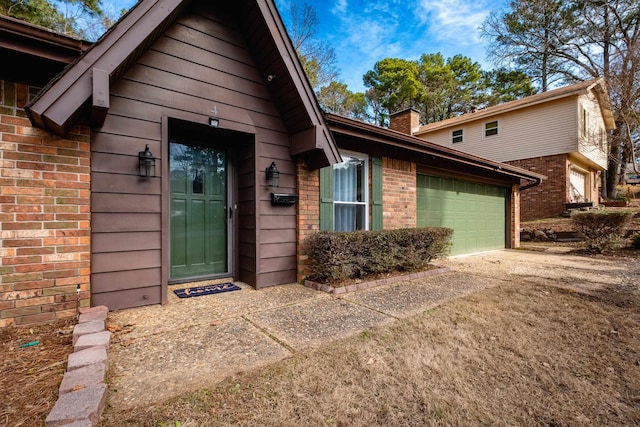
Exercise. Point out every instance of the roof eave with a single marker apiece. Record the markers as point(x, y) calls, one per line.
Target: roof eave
point(384, 135)
point(315, 143)
point(58, 105)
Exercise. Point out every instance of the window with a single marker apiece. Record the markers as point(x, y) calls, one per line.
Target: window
point(348, 201)
point(491, 128)
point(350, 194)
point(457, 136)
point(584, 121)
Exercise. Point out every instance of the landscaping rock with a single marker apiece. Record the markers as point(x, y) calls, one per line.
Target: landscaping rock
point(100, 339)
point(81, 405)
point(87, 357)
point(94, 315)
point(82, 378)
point(86, 328)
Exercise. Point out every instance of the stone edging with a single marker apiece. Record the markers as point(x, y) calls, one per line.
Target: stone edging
point(83, 391)
point(372, 284)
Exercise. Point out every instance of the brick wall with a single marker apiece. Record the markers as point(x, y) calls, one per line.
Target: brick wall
point(44, 216)
point(399, 194)
point(549, 198)
point(308, 209)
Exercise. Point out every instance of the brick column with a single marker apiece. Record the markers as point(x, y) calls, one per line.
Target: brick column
point(398, 194)
point(308, 210)
point(44, 216)
point(515, 216)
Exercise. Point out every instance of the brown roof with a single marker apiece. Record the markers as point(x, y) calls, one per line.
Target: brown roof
point(596, 85)
point(374, 139)
point(58, 106)
point(35, 54)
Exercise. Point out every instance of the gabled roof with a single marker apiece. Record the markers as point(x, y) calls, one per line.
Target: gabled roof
point(597, 86)
point(35, 54)
point(64, 100)
point(368, 138)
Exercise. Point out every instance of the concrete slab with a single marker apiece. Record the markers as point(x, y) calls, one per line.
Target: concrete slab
point(87, 357)
point(85, 404)
point(99, 339)
point(91, 327)
point(84, 377)
point(207, 309)
point(312, 323)
point(168, 364)
point(408, 298)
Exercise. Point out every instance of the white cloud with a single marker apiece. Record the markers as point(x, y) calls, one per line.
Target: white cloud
point(340, 7)
point(454, 21)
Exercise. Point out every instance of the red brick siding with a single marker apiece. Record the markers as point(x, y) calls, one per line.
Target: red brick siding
point(44, 216)
point(399, 194)
point(308, 210)
point(549, 198)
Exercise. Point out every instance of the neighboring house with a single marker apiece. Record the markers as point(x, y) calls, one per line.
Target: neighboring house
point(632, 174)
point(216, 93)
point(561, 133)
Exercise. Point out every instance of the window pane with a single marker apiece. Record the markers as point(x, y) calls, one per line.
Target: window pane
point(491, 128)
point(349, 217)
point(349, 180)
point(456, 136)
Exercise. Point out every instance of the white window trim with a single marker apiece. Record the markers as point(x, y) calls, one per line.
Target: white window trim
point(498, 129)
point(365, 159)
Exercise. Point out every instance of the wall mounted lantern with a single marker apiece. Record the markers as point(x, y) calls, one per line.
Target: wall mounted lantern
point(147, 163)
point(273, 175)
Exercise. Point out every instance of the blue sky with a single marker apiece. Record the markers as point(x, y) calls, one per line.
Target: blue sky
point(363, 32)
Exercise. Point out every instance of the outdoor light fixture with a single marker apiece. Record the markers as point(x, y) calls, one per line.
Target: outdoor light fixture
point(273, 175)
point(214, 122)
point(147, 163)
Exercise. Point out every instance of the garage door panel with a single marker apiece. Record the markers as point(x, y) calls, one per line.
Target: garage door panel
point(476, 212)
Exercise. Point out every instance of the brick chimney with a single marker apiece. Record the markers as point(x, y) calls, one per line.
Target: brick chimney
point(405, 121)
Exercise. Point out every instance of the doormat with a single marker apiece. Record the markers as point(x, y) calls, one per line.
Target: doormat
point(206, 290)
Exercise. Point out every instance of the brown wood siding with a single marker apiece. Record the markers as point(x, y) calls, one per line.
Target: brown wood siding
point(200, 62)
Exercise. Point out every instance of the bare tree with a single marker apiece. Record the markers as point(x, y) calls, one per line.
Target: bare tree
point(575, 40)
point(318, 58)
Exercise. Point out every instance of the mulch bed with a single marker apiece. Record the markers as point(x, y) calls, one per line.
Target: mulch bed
point(31, 375)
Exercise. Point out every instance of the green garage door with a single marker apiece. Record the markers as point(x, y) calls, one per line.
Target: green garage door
point(476, 212)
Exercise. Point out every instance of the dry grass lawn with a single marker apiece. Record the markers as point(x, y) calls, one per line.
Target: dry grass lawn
point(518, 354)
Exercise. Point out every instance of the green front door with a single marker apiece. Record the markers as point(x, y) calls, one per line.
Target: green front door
point(199, 233)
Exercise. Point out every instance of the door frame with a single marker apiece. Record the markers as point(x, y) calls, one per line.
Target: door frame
point(168, 122)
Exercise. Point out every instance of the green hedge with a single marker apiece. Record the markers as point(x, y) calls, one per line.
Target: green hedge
point(602, 230)
point(336, 256)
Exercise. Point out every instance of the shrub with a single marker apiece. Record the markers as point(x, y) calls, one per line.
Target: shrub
point(636, 241)
point(602, 230)
point(336, 256)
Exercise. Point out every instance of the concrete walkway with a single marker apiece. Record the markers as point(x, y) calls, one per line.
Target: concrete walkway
point(159, 352)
